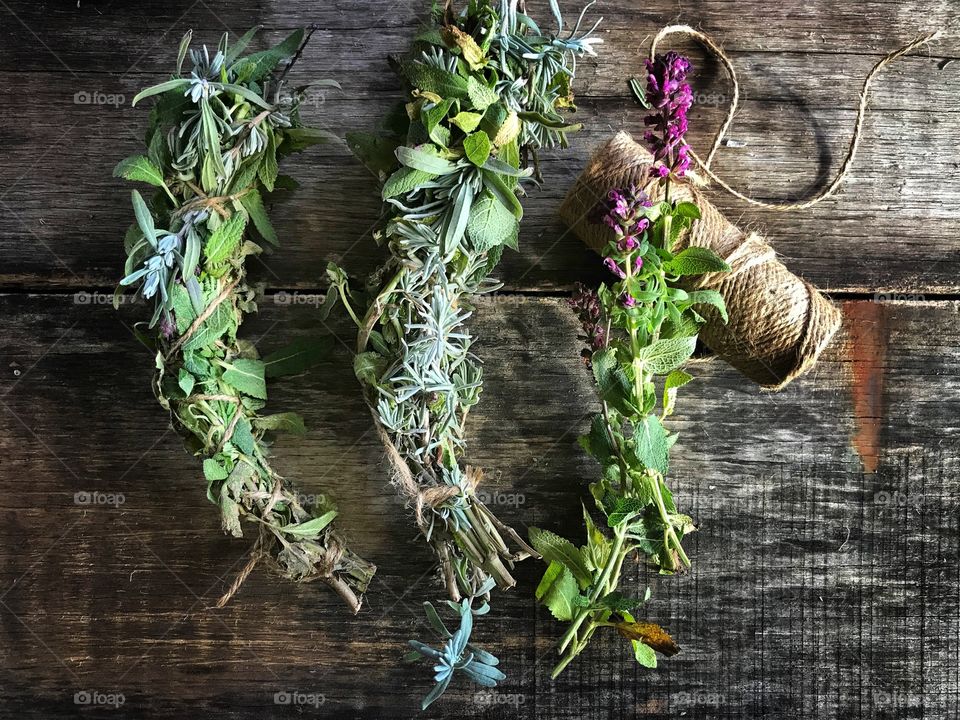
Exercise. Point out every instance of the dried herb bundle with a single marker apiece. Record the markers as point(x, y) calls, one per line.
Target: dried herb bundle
point(214, 143)
point(486, 89)
point(641, 329)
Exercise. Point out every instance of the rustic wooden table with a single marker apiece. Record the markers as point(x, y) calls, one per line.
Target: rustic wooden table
point(825, 570)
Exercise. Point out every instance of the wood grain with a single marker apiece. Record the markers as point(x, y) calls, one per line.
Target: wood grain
point(897, 211)
point(817, 590)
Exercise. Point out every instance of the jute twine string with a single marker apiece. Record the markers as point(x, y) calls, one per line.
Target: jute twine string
point(421, 498)
point(778, 323)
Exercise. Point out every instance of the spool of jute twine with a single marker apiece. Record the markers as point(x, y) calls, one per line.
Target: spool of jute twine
point(778, 322)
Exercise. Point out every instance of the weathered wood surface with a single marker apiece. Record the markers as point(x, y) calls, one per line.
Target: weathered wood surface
point(800, 70)
point(819, 590)
point(816, 591)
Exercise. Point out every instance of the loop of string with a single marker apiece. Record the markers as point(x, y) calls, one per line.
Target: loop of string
point(724, 60)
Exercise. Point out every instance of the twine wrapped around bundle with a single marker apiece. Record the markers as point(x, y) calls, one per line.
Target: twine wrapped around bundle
point(778, 322)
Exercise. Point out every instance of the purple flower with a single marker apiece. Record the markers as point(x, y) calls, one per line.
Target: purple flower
point(627, 300)
point(627, 243)
point(587, 304)
point(637, 263)
point(167, 328)
point(612, 266)
point(670, 97)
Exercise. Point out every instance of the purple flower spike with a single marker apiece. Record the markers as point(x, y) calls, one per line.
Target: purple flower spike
point(627, 300)
point(637, 264)
point(670, 97)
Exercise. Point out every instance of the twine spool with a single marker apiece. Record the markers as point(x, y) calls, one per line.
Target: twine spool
point(778, 322)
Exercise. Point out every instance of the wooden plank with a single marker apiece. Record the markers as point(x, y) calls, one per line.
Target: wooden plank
point(891, 229)
point(818, 590)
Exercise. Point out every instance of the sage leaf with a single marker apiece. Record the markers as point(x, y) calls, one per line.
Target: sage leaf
point(310, 528)
point(139, 168)
point(247, 376)
point(695, 261)
point(558, 590)
point(664, 355)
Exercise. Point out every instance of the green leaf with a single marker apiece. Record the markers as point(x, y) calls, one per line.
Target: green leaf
point(253, 203)
point(477, 147)
point(225, 240)
point(144, 218)
point(555, 548)
point(405, 180)
point(163, 87)
point(662, 356)
point(213, 471)
point(639, 91)
point(376, 152)
point(676, 379)
point(481, 96)
point(490, 223)
point(268, 168)
point(432, 118)
point(503, 192)
point(243, 436)
point(421, 159)
point(300, 138)
point(644, 654)
point(310, 528)
point(625, 508)
point(709, 297)
point(298, 357)
point(428, 78)
point(139, 168)
point(258, 65)
point(558, 590)
point(686, 210)
point(651, 444)
point(285, 421)
point(695, 261)
point(613, 384)
point(597, 442)
point(368, 367)
point(186, 382)
point(466, 121)
point(247, 376)
point(618, 602)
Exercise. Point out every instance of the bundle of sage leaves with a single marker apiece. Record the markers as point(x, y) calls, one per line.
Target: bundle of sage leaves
point(486, 89)
point(215, 137)
point(640, 328)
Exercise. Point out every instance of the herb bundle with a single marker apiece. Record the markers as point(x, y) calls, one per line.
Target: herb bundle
point(486, 89)
point(214, 143)
point(641, 328)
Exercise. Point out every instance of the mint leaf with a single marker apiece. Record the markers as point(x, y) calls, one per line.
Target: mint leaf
point(709, 297)
point(695, 261)
point(310, 528)
point(612, 381)
point(664, 355)
point(404, 180)
point(555, 548)
point(253, 203)
point(247, 377)
point(139, 168)
point(651, 446)
point(558, 590)
point(477, 147)
point(224, 240)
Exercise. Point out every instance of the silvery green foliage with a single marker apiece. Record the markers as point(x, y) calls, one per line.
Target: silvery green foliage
point(486, 90)
point(214, 143)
